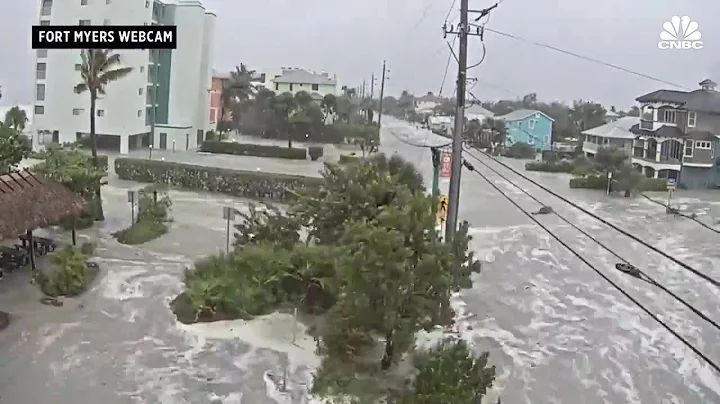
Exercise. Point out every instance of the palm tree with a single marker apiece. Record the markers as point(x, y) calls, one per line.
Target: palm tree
point(16, 118)
point(99, 68)
point(238, 89)
point(328, 105)
point(283, 107)
point(498, 132)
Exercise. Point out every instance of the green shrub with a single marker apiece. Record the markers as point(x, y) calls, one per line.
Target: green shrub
point(520, 151)
point(653, 185)
point(315, 152)
point(257, 150)
point(590, 182)
point(71, 277)
point(351, 133)
point(245, 184)
point(141, 232)
point(550, 167)
point(345, 159)
point(211, 136)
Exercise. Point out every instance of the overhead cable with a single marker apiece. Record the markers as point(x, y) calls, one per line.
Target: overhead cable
point(605, 222)
point(676, 212)
point(605, 277)
point(632, 270)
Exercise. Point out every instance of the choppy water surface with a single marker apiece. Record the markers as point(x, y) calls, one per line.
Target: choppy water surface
point(556, 330)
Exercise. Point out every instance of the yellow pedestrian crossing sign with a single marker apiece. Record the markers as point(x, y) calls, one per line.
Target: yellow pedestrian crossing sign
point(442, 211)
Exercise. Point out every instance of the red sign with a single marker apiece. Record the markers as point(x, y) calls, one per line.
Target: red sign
point(445, 165)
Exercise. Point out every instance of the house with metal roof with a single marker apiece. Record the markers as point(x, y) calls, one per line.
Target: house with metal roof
point(678, 136)
point(528, 126)
point(296, 80)
point(615, 133)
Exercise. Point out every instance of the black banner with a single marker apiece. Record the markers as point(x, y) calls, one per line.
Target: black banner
point(104, 37)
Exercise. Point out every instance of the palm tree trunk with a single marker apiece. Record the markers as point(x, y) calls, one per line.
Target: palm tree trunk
point(93, 142)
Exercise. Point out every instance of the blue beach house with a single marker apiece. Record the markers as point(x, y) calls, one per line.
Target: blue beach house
point(528, 126)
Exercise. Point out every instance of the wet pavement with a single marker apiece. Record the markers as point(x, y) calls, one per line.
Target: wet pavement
point(557, 332)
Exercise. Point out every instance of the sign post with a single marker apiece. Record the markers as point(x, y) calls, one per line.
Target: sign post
point(671, 186)
point(229, 215)
point(132, 197)
point(446, 165)
point(442, 210)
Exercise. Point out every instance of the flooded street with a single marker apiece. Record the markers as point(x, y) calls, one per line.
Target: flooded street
point(557, 332)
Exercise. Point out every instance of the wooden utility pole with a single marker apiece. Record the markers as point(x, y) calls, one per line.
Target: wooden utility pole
point(454, 193)
point(372, 86)
point(382, 91)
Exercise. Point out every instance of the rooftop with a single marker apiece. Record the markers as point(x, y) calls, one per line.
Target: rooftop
point(32, 201)
point(520, 114)
point(619, 129)
point(704, 99)
point(301, 76)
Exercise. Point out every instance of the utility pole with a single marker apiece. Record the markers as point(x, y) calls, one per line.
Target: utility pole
point(454, 194)
point(372, 86)
point(463, 31)
point(363, 90)
point(382, 91)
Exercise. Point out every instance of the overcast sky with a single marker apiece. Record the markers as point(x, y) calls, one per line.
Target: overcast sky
point(351, 39)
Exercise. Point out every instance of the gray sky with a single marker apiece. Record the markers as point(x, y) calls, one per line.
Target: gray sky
point(351, 39)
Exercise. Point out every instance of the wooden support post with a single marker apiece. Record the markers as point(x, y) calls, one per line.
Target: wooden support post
point(31, 250)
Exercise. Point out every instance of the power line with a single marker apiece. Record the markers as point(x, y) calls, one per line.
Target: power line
point(605, 277)
point(636, 272)
point(669, 209)
point(577, 55)
point(707, 278)
point(447, 67)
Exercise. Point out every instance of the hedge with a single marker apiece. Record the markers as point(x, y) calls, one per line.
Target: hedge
point(244, 184)
point(102, 159)
point(345, 159)
point(548, 167)
point(351, 133)
point(257, 150)
point(600, 182)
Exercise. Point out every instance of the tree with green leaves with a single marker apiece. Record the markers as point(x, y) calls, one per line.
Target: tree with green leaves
point(13, 149)
point(497, 130)
point(98, 69)
point(328, 105)
point(16, 118)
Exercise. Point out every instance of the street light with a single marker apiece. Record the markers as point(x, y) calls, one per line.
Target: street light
point(150, 149)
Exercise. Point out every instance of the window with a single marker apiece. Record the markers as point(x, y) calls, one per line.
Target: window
point(83, 2)
point(531, 124)
point(139, 113)
point(315, 87)
point(703, 145)
point(277, 86)
point(46, 7)
point(106, 21)
point(42, 53)
point(142, 69)
point(77, 111)
point(291, 86)
point(537, 115)
point(669, 116)
point(84, 22)
point(100, 112)
point(606, 140)
point(140, 91)
point(40, 92)
point(692, 119)
point(76, 90)
point(41, 70)
point(78, 67)
point(147, 3)
point(39, 109)
point(688, 148)
point(45, 23)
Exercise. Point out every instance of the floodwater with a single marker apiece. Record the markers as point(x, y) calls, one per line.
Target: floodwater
point(557, 332)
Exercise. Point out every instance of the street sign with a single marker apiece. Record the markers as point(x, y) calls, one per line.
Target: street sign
point(442, 211)
point(445, 165)
point(131, 197)
point(228, 213)
point(671, 184)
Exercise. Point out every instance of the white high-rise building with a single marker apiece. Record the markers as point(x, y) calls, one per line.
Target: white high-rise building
point(177, 81)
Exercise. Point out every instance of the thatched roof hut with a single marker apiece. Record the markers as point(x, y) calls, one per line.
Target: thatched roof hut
point(29, 201)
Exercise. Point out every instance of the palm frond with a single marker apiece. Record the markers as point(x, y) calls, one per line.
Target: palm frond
point(113, 75)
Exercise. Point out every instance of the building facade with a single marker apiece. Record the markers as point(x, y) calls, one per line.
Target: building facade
point(615, 133)
point(296, 80)
point(677, 136)
point(163, 102)
point(530, 127)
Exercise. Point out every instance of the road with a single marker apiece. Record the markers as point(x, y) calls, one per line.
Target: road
point(557, 331)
